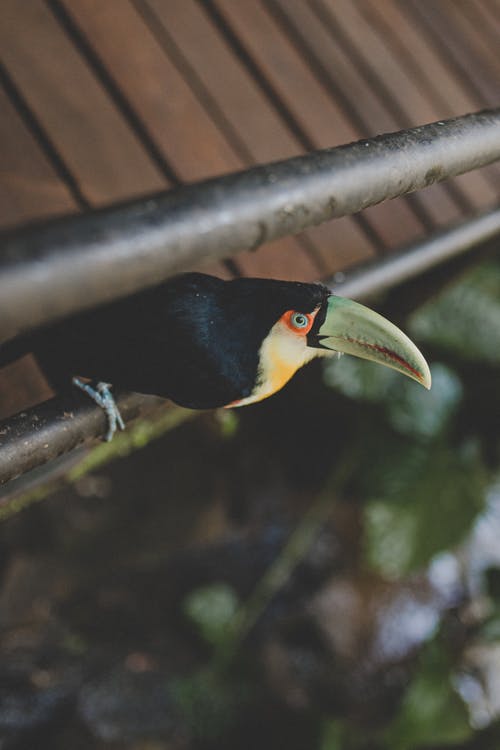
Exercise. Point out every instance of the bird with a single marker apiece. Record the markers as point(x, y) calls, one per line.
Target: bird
point(205, 342)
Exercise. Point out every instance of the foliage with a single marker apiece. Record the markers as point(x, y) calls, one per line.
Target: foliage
point(432, 713)
point(411, 471)
point(423, 506)
point(421, 490)
point(212, 610)
point(423, 483)
point(465, 319)
point(209, 702)
point(406, 406)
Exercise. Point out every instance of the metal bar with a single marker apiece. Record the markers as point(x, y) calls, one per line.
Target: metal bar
point(51, 271)
point(393, 270)
point(45, 432)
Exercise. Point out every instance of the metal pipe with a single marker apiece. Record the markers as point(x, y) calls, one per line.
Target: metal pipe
point(49, 430)
point(51, 271)
point(45, 432)
point(393, 270)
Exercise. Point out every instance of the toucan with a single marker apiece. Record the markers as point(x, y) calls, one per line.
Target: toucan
point(204, 342)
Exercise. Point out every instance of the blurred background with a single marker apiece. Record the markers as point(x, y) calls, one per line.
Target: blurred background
point(321, 569)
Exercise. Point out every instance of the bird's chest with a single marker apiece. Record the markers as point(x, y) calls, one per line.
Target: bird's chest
point(280, 356)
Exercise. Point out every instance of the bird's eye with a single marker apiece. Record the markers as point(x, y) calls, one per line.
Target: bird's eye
point(299, 323)
point(299, 320)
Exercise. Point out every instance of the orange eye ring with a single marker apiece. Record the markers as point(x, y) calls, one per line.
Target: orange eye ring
point(299, 323)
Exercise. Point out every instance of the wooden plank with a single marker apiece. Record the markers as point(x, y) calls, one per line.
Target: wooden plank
point(414, 52)
point(471, 72)
point(492, 6)
point(174, 116)
point(457, 49)
point(488, 19)
point(262, 134)
point(483, 54)
point(430, 61)
point(29, 187)
point(342, 244)
point(391, 76)
point(336, 68)
point(318, 115)
point(482, 13)
point(279, 260)
point(346, 82)
point(418, 55)
point(22, 385)
point(492, 10)
point(103, 154)
point(485, 40)
point(243, 104)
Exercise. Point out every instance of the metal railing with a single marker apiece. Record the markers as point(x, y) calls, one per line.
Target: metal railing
point(51, 271)
point(68, 265)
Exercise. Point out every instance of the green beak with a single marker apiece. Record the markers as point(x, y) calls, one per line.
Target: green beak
point(352, 328)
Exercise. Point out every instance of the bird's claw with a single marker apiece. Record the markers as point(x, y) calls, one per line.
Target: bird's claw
point(103, 397)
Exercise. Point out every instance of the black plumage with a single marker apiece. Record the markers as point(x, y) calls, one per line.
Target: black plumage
point(194, 339)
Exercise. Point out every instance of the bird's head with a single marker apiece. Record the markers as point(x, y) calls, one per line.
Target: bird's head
point(284, 325)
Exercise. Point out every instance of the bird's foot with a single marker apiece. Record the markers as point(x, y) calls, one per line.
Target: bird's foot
point(103, 397)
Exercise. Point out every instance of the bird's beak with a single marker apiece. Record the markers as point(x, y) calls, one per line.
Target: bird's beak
point(352, 328)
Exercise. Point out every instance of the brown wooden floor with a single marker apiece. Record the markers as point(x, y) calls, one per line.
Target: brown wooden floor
point(104, 100)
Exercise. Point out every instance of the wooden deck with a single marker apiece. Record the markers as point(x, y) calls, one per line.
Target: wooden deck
point(106, 100)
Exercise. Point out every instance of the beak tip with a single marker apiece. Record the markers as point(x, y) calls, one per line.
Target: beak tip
point(426, 377)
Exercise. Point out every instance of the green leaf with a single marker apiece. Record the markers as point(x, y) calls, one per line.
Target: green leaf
point(359, 379)
point(342, 734)
point(465, 319)
point(424, 414)
point(210, 703)
point(424, 506)
point(332, 737)
point(409, 408)
point(490, 629)
point(228, 422)
point(212, 610)
point(432, 713)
